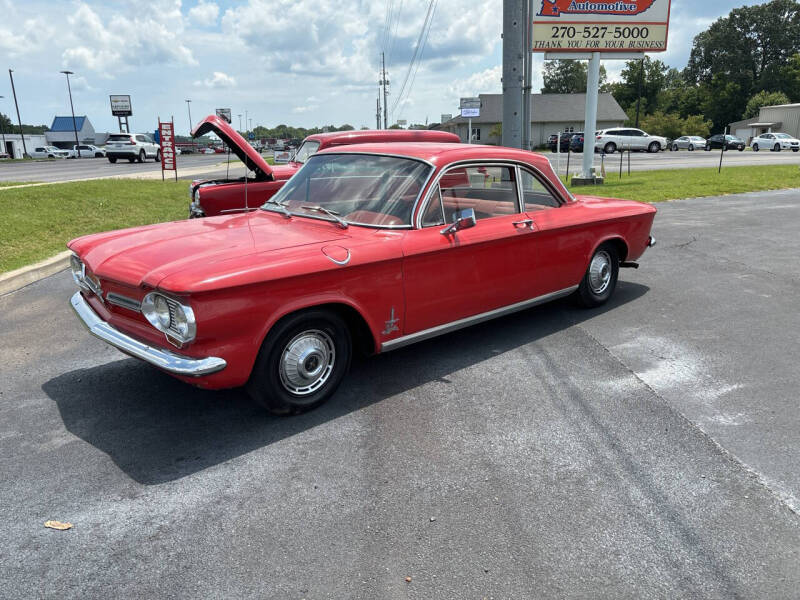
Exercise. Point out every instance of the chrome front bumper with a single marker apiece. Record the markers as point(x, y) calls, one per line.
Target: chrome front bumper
point(163, 359)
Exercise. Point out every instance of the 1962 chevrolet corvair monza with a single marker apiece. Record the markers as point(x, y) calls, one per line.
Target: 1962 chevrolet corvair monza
point(373, 246)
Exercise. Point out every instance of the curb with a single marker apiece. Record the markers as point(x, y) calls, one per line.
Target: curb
point(19, 278)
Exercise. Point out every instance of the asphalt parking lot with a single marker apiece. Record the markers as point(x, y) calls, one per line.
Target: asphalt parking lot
point(648, 449)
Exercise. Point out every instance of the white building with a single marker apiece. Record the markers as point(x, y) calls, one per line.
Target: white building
point(784, 118)
point(62, 131)
point(13, 143)
point(550, 113)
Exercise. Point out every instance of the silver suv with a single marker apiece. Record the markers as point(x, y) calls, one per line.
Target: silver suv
point(133, 146)
point(611, 140)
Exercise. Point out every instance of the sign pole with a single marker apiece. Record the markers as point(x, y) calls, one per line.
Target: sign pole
point(469, 131)
point(513, 72)
point(590, 124)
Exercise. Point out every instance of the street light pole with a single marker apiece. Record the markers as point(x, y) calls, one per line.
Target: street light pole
point(72, 108)
point(19, 120)
point(240, 122)
point(189, 107)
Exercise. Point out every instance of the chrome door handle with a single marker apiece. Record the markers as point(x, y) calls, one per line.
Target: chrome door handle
point(521, 224)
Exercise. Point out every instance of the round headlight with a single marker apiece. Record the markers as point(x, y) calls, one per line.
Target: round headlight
point(180, 323)
point(161, 311)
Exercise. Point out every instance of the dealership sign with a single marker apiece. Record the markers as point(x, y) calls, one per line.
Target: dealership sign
point(121, 106)
point(600, 26)
point(224, 113)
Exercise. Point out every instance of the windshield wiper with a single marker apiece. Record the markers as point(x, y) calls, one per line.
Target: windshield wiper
point(278, 208)
point(331, 213)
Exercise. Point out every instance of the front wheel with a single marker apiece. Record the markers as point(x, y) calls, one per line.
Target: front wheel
point(755, 147)
point(301, 363)
point(600, 279)
point(654, 147)
point(691, 148)
point(158, 155)
point(141, 156)
point(674, 147)
point(112, 159)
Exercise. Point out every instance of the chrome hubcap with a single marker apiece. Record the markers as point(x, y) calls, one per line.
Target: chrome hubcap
point(600, 272)
point(307, 362)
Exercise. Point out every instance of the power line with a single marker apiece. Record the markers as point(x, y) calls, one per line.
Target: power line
point(422, 35)
point(394, 34)
point(421, 52)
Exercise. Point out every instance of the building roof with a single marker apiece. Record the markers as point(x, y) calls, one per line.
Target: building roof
point(65, 123)
point(550, 108)
point(744, 123)
point(783, 106)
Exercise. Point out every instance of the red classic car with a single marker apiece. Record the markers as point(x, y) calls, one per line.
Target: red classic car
point(210, 198)
point(369, 247)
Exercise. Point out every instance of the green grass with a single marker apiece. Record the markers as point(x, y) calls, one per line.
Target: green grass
point(39, 221)
point(657, 186)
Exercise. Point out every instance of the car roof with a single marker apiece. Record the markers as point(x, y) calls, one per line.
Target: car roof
point(366, 136)
point(441, 154)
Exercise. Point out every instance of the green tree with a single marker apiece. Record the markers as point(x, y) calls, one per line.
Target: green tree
point(653, 75)
point(569, 77)
point(763, 99)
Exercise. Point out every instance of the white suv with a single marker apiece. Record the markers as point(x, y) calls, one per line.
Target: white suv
point(775, 142)
point(611, 140)
point(133, 146)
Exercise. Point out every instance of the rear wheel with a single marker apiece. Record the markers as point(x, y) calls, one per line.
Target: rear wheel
point(610, 148)
point(755, 147)
point(302, 362)
point(776, 148)
point(691, 147)
point(112, 159)
point(600, 280)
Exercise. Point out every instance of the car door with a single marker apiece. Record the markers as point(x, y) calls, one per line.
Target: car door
point(448, 277)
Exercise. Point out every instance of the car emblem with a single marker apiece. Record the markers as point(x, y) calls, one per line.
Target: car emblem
point(391, 324)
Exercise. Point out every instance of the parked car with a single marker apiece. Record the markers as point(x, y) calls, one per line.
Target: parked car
point(576, 142)
point(610, 140)
point(207, 151)
point(730, 142)
point(223, 196)
point(565, 139)
point(775, 142)
point(368, 247)
point(688, 142)
point(48, 152)
point(133, 146)
point(87, 151)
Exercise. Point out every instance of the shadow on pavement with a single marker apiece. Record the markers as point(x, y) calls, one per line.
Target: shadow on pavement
point(157, 429)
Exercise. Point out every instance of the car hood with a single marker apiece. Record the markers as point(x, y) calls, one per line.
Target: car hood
point(238, 145)
point(152, 254)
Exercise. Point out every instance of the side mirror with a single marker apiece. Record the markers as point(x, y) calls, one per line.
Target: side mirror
point(463, 219)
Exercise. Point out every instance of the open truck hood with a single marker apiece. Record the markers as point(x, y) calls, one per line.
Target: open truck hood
point(238, 145)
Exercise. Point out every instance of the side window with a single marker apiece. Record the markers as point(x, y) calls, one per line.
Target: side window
point(490, 190)
point(433, 213)
point(536, 195)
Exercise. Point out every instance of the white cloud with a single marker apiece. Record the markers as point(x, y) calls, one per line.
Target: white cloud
point(204, 13)
point(219, 80)
point(487, 81)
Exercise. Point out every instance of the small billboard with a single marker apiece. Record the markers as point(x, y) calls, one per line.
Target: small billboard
point(121, 106)
point(600, 25)
point(224, 113)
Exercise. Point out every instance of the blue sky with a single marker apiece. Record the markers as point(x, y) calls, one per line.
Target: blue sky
point(299, 62)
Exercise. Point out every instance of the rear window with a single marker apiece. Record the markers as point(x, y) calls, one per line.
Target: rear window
point(119, 138)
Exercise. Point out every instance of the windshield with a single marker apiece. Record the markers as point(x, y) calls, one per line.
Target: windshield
point(782, 136)
point(305, 150)
point(362, 189)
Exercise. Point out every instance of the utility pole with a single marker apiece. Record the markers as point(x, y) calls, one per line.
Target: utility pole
point(378, 110)
point(528, 62)
point(3, 131)
point(240, 122)
point(513, 71)
point(19, 120)
point(72, 108)
point(384, 82)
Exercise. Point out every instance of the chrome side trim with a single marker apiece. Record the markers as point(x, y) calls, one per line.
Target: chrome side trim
point(474, 320)
point(124, 302)
point(339, 262)
point(163, 359)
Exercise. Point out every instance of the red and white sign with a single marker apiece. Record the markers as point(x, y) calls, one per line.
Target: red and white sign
point(600, 25)
point(168, 156)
